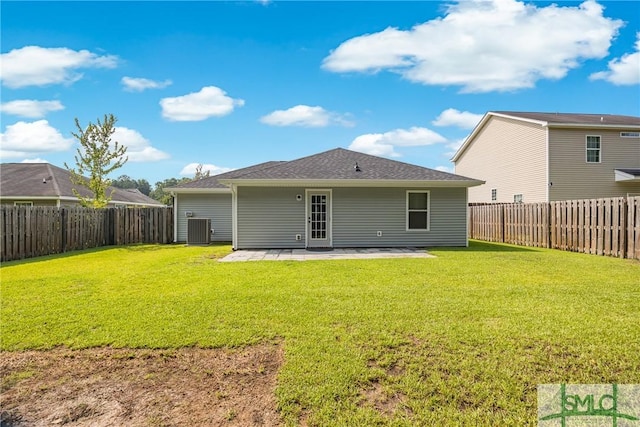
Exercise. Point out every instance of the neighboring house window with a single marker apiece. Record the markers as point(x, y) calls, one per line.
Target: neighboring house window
point(494, 194)
point(517, 198)
point(593, 149)
point(629, 134)
point(22, 203)
point(418, 210)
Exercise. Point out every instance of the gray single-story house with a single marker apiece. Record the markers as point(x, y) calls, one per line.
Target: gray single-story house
point(338, 198)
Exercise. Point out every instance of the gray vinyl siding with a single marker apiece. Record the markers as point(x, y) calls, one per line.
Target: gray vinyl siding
point(574, 178)
point(217, 207)
point(271, 218)
point(359, 213)
point(510, 155)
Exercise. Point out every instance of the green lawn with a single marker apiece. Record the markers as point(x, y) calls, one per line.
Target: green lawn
point(463, 338)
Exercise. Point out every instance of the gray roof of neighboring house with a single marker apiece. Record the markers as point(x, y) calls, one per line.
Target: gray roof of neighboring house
point(44, 180)
point(340, 164)
point(631, 171)
point(576, 118)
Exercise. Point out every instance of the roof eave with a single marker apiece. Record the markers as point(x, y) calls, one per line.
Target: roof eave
point(351, 183)
point(593, 126)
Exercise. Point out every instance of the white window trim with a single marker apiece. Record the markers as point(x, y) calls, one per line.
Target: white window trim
point(418, 230)
point(586, 149)
point(519, 196)
point(494, 190)
point(23, 203)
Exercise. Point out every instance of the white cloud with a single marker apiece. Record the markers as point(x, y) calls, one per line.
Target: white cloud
point(384, 144)
point(461, 119)
point(39, 66)
point(624, 70)
point(139, 148)
point(138, 84)
point(23, 139)
point(305, 115)
point(484, 46)
point(444, 169)
point(190, 169)
point(30, 108)
point(36, 160)
point(210, 101)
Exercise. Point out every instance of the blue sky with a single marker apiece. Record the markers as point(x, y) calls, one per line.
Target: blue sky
point(231, 84)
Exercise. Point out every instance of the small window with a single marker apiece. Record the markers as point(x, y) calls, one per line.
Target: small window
point(22, 203)
point(517, 198)
point(494, 194)
point(629, 134)
point(593, 149)
point(418, 210)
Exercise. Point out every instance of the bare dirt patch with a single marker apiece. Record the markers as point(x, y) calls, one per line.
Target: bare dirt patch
point(114, 387)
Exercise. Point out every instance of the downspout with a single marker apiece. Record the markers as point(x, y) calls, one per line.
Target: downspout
point(234, 216)
point(175, 216)
point(549, 183)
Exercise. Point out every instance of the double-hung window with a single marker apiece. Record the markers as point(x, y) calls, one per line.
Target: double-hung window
point(594, 154)
point(418, 210)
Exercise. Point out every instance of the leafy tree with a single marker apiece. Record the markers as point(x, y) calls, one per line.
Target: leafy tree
point(96, 158)
point(200, 174)
point(125, 181)
point(158, 191)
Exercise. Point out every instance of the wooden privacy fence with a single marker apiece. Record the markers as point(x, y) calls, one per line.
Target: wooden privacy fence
point(596, 226)
point(27, 232)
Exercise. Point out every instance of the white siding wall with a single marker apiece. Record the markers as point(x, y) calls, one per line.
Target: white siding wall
point(217, 207)
point(510, 155)
point(271, 217)
point(574, 178)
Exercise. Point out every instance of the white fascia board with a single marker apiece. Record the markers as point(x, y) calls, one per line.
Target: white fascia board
point(331, 183)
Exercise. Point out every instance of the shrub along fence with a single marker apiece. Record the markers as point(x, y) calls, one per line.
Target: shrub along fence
point(608, 227)
point(27, 232)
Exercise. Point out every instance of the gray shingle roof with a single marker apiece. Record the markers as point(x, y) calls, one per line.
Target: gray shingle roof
point(46, 180)
point(212, 181)
point(631, 171)
point(576, 118)
point(340, 164)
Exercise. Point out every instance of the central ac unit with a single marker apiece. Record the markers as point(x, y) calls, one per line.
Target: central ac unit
point(198, 231)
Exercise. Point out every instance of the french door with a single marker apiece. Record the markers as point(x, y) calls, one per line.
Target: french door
point(318, 219)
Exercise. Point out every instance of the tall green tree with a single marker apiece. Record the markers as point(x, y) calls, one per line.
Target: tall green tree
point(96, 158)
point(126, 182)
point(159, 194)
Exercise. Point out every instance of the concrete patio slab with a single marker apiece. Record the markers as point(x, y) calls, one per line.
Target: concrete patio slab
point(309, 255)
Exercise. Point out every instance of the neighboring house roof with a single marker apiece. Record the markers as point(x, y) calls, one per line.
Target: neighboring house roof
point(569, 120)
point(45, 181)
point(628, 174)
